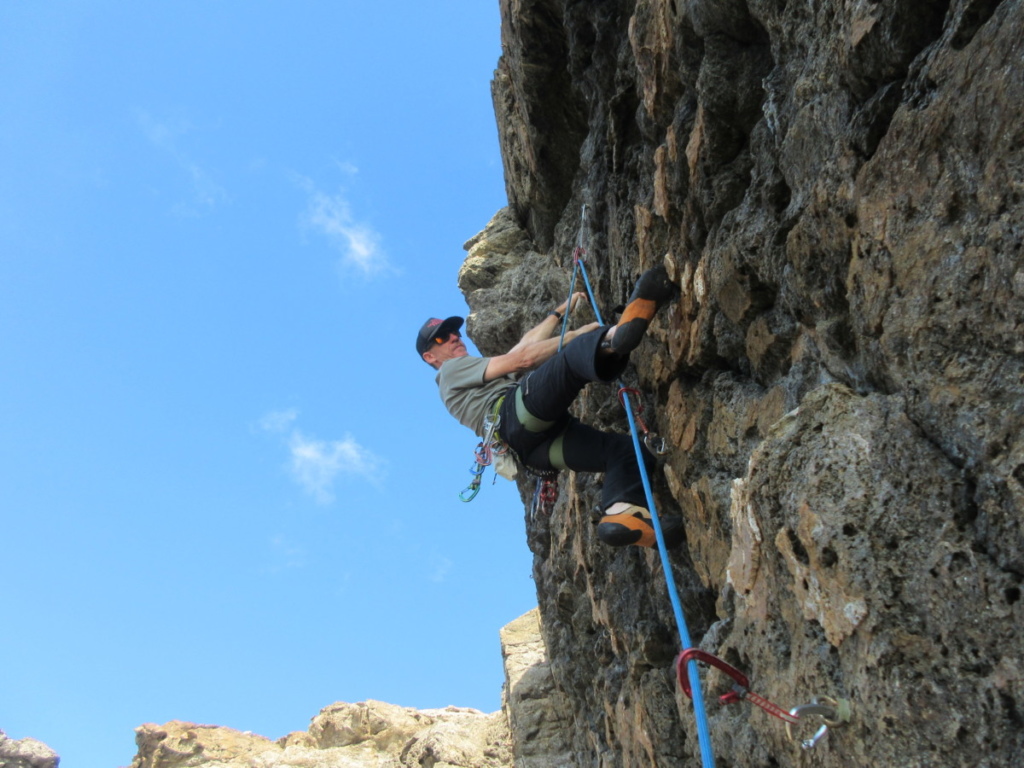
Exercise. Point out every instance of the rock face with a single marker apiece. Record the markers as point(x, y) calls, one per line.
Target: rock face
point(538, 714)
point(369, 734)
point(26, 753)
point(837, 188)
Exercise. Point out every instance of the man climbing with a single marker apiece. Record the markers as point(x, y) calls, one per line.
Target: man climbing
point(533, 408)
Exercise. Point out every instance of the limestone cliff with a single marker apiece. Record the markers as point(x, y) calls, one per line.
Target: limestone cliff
point(837, 188)
point(26, 753)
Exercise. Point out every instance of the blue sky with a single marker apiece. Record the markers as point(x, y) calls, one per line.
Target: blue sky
point(229, 490)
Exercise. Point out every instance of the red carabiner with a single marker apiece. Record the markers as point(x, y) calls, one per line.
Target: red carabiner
point(638, 414)
point(740, 691)
point(695, 654)
point(631, 391)
point(549, 493)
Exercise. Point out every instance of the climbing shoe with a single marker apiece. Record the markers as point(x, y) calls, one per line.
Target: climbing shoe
point(635, 527)
point(652, 290)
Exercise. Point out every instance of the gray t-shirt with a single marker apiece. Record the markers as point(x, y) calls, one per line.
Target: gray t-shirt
point(465, 393)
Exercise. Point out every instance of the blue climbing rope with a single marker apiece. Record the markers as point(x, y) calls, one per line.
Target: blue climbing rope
point(568, 305)
point(699, 710)
point(590, 291)
point(577, 258)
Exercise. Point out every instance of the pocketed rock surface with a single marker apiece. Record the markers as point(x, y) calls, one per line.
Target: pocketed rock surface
point(837, 189)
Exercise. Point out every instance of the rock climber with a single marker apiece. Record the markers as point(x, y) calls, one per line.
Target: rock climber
point(531, 388)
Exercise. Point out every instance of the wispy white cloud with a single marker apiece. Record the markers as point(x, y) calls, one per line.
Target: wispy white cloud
point(330, 215)
point(165, 136)
point(319, 465)
point(358, 243)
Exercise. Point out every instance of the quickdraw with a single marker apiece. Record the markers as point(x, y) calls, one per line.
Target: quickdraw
point(655, 444)
point(740, 690)
point(544, 496)
point(832, 711)
point(485, 452)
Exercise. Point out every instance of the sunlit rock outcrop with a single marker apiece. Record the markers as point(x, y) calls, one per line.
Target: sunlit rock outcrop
point(26, 753)
point(369, 734)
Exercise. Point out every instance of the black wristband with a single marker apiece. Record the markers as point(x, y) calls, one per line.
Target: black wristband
point(555, 313)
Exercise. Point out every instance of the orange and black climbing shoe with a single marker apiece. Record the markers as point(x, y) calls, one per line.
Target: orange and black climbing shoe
point(634, 527)
point(652, 290)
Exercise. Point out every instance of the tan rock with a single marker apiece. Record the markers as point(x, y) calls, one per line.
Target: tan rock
point(538, 713)
point(369, 734)
point(26, 753)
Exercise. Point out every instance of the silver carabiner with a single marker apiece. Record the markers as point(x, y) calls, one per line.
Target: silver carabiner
point(832, 711)
point(655, 444)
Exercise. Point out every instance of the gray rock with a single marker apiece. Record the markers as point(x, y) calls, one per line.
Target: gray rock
point(837, 188)
point(538, 714)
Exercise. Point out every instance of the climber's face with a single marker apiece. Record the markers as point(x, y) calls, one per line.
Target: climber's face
point(445, 349)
